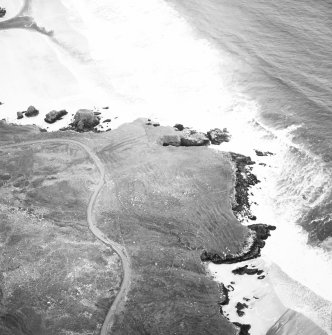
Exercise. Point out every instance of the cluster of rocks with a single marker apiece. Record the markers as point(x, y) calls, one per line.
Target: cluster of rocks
point(243, 328)
point(2, 12)
point(50, 117)
point(249, 271)
point(240, 307)
point(188, 137)
point(151, 123)
point(246, 270)
point(84, 119)
point(30, 112)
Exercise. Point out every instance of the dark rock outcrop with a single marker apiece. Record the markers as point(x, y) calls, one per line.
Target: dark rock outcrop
point(20, 115)
point(193, 138)
point(31, 111)
point(261, 233)
point(245, 270)
point(218, 136)
point(244, 180)
point(179, 126)
point(85, 120)
point(54, 116)
point(107, 120)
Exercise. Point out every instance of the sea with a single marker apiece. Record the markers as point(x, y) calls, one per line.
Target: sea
point(260, 68)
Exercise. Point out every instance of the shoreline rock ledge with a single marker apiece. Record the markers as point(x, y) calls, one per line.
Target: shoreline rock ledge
point(256, 241)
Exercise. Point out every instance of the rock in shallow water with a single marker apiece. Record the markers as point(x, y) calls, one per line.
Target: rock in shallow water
point(53, 116)
point(218, 136)
point(85, 120)
point(31, 111)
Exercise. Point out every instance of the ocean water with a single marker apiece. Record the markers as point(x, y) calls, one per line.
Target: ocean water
point(260, 68)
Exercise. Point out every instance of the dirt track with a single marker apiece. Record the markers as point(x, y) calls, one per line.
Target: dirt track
point(119, 249)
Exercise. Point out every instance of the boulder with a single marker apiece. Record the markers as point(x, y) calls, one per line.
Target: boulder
point(2, 12)
point(173, 140)
point(31, 111)
point(85, 120)
point(218, 136)
point(193, 138)
point(107, 120)
point(179, 126)
point(54, 116)
point(19, 115)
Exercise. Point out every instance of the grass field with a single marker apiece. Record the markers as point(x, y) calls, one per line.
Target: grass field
point(55, 277)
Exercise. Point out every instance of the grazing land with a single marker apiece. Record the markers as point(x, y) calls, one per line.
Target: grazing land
point(56, 278)
point(164, 205)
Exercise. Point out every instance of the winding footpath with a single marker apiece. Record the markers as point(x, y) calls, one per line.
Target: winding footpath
point(120, 299)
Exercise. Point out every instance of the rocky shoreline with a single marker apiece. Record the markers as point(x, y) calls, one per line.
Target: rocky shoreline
point(244, 180)
point(86, 121)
